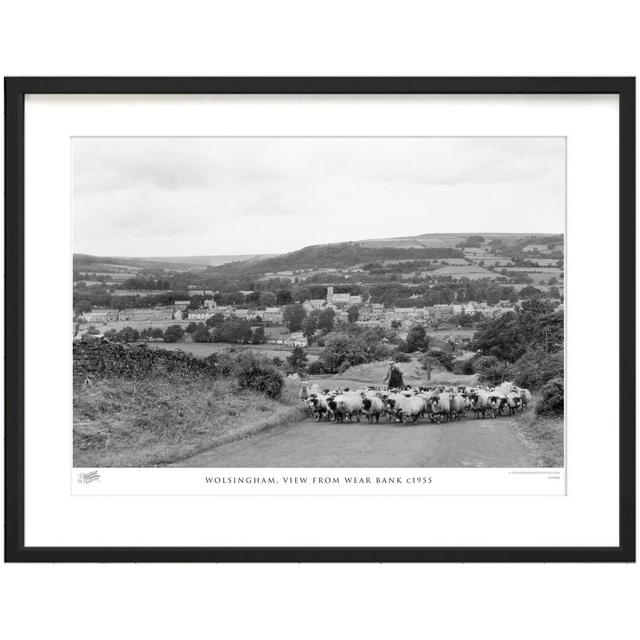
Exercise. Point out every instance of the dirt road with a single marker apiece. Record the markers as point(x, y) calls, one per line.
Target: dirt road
point(468, 443)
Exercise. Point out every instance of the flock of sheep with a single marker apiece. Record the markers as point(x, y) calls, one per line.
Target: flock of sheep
point(439, 404)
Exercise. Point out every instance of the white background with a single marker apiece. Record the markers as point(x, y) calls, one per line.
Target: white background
point(587, 516)
point(332, 38)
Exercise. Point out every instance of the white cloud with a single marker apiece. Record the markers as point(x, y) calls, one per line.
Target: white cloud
point(190, 196)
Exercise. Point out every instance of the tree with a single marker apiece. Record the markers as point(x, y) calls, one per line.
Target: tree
point(535, 324)
point(191, 328)
point(201, 333)
point(82, 306)
point(417, 339)
point(293, 315)
point(429, 363)
point(552, 400)
point(530, 292)
point(310, 324)
point(491, 370)
point(267, 299)
point(474, 241)
point(283, 296)
point(156, 333)
point(352, 348)
point(353, 314)
point(215, 320)
point(129, 334)
point(326, 320)
point(302, 294)
point(536, 367)
point(297, 361)
point(258, 336)
point(233, 330)
point(173, 333)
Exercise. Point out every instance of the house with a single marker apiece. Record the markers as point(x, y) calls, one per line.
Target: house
point(272, 314)
point(146, 315)
point(194, 291)
point(340, 298)
point(296, 339)
point(101, 315)
point(315, 303)
point(247, 314)
point(201, 314)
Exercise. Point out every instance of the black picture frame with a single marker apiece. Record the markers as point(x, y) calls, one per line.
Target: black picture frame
point(15, 91)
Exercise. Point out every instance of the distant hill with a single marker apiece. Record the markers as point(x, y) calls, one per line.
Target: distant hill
point(92, 263)
point(349, 254)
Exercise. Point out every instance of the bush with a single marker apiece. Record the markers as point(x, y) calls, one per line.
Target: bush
point(552, 401)
point(257, 374)
point(297, 361)
point(463, 367)
point(315, 368)
point(401, 356)
point(491, 370)
point(535, 368)
point(444, 358)
point(173, 333)
point(417, 339)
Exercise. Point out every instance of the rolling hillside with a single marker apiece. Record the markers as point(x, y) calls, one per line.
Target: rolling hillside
point(349, 254)
point(92, 263)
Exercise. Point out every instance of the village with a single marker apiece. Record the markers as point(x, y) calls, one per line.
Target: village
point(344, 306)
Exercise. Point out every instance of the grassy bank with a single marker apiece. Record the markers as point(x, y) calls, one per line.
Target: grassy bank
point(544, 437)
point(373, 373)
point(160, 420)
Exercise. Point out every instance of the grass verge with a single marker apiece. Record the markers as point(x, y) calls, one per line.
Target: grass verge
point(544, 437)
point(158, 421)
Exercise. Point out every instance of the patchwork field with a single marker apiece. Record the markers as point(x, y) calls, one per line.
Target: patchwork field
point(468, 271)
point(204, 349)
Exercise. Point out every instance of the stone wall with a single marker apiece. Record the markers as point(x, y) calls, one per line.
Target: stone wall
point(97, 358)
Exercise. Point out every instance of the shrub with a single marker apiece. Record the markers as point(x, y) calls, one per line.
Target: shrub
point(201, 333)
point(417, 339)
point(315, 368)
point(297, 361)
point(222, 363)
point(490, 369)
point(257, 374)
point(551, 402)
point(401, 356)
point(402, 345)
point(429, 363)
point(535, 368)
point(444, 358)
point(173, 333)
point(463, 367)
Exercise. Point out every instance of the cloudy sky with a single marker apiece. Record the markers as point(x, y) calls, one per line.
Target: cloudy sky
point(211, 196)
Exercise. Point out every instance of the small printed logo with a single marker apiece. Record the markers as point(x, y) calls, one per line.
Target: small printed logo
point(86, 478)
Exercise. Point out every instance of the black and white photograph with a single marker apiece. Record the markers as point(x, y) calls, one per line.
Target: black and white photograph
point(318, 302)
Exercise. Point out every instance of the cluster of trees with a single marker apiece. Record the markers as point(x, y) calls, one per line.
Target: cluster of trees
point(525, 345)
point(353, 344)
point(317, 322)
point(173, 333)
point(86, 299)
point(220, 329)
point(471, 241)
point(146, 284)
point(344, 254)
